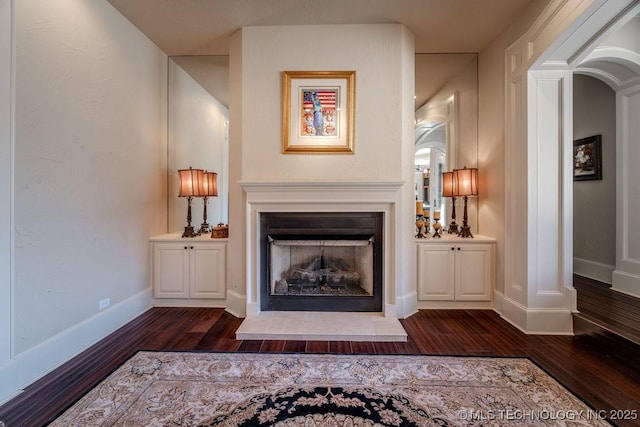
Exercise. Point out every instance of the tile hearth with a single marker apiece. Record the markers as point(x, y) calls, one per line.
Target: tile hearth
point(321, 326)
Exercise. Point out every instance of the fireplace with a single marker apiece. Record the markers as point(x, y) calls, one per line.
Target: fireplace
point(323, 261)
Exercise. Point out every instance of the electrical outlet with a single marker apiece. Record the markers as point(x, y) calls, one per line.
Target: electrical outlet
point(104, 303)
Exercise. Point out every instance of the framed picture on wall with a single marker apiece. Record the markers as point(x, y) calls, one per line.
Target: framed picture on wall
point(587, 158)
point(318, 111)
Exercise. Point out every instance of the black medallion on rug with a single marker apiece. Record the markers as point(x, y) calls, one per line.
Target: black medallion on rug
point(327, 406)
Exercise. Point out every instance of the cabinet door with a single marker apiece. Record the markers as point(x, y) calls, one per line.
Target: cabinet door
point(436, 272)
point(170, 270)
point(474, 272)
point(208, 267)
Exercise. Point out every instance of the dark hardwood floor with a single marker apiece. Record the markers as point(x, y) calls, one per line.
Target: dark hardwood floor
point(601, 368)
point(603, 308)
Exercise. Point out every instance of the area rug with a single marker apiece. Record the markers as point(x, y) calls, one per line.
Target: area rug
point(250, 389)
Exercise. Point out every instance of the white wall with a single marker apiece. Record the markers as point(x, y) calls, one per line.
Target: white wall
point(373, 51)
point(90, 161)
point(6, 176)
point(198, 137)
point(491, 136)
point(594, 202)
point(626, 277)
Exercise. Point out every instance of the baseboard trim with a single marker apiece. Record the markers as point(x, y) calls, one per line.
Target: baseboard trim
point(626, 283)
point(236, 304)
point(196, 302)
point(498, 301)
point(455, 305)
point(593, 270)
point(406, 305)
point(538, 321)
point(29, 366)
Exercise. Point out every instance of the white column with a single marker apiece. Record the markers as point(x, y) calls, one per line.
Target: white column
point(539, 296)
point(550, 195)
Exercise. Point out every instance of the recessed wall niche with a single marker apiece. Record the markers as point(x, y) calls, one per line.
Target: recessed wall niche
point(198, 132)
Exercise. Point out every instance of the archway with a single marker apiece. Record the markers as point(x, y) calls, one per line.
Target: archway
point(539, 296)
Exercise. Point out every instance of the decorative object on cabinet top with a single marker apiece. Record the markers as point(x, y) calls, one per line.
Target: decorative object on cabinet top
point(209, 187)
point(421, 221)
point(197, 183)
point(449, 190)
point(189, 188)
point(177, 237)
point(465, 185)
point(220, 231)
point(454, 238)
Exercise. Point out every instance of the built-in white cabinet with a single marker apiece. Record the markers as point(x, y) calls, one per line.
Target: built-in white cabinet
point(188, 271)
point(453, 271)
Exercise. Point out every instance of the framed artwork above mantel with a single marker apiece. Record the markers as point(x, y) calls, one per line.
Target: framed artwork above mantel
point(318, 111)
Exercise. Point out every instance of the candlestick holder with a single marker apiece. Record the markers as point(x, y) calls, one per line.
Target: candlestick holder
point(436, 228)
point(420, 223)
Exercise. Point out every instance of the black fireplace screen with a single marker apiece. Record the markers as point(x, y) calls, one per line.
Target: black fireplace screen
point(321, 261)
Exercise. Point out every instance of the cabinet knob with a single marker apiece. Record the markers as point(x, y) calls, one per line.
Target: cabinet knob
point(185, 248)
point(458, 248)
point(452, 248)
point(190, 247)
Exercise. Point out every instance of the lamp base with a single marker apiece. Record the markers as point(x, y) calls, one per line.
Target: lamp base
point(465, 231)
point(189, 232)
point(205, 228)
point(453, 228)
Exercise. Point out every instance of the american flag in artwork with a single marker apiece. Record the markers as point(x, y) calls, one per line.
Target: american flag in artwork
point(327, 98)
point(320, 121)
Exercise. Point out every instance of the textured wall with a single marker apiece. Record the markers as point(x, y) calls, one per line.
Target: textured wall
point(491, 136)
point(90, 159)
point(373, 51)
point(6, 173)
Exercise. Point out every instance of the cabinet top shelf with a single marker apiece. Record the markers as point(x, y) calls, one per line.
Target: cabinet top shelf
point(453, 238)
point(177, 237)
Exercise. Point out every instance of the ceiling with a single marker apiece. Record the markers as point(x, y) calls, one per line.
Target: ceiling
point(203, 27)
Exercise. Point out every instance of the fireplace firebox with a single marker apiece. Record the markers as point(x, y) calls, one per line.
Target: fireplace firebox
point(325, 261)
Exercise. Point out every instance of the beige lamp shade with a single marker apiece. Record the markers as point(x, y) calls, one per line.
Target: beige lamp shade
point(465, 182)
point(419, 208)
point(189, 183)
point(448, 189)
point(209, 184)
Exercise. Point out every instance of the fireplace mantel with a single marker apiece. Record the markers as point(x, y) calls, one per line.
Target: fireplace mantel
point(255, 185)
point(335, 188)
point(321, 196)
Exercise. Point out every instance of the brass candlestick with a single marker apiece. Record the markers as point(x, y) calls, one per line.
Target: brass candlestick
point(420, 223)
point(436, 228)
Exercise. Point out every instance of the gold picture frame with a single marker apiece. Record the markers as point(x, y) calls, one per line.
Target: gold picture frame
point(318, 111)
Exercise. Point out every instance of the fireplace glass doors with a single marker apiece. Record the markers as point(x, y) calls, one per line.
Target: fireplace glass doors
point(321, 261)
point(322, 267)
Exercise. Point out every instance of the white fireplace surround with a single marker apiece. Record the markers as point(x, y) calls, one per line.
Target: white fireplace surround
point(334, 196)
